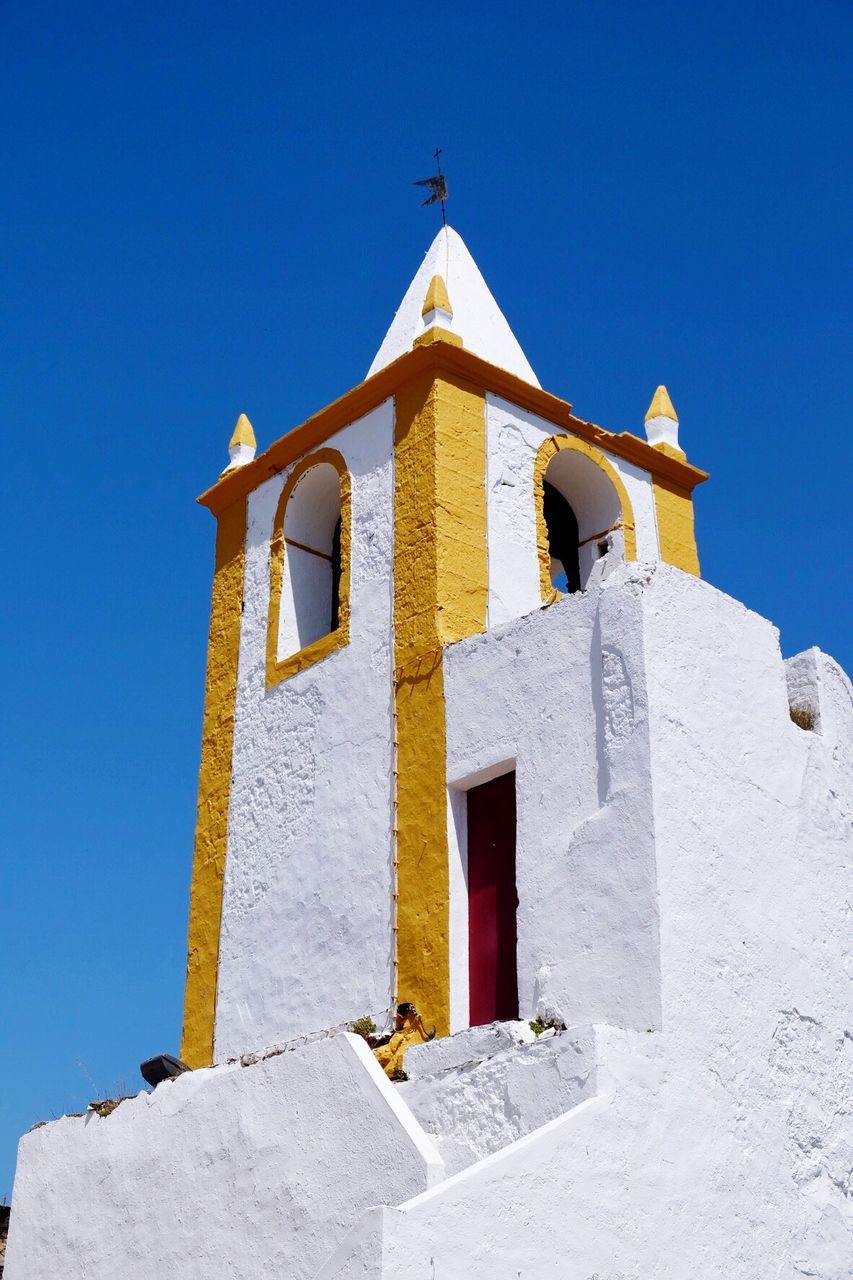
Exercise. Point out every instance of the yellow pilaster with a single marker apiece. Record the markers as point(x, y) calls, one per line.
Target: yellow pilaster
point(214, 788)
point(440, 590)
point(676, 533)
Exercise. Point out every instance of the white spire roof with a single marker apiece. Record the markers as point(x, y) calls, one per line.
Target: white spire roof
point(476, 317)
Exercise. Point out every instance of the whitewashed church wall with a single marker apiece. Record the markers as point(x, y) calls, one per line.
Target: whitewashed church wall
point(306, 924)
point(754, 821)
point(475, 1109)
point(513, 437)
point(722, 1144)
point(226, 1172)
point(561, 694)
point(640, 1181)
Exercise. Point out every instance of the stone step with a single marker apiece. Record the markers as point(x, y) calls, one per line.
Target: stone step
point(484, 1088)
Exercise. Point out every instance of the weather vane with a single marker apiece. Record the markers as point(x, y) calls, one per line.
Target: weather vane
point(437, 186)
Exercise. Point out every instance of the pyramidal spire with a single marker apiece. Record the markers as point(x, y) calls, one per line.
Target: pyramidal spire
point(475, 320)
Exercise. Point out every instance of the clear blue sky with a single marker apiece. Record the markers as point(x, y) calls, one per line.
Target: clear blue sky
point(208, 209)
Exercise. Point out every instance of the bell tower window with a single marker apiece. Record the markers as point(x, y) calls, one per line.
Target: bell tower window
point(309, 565)
point(336, 577)
point(563, 539)
point(583, 513)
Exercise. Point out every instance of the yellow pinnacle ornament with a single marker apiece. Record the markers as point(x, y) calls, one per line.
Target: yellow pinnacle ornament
point(661, 406)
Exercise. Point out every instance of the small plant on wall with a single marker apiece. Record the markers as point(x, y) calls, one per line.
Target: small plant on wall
point(364, 1027)
point(537, 1026)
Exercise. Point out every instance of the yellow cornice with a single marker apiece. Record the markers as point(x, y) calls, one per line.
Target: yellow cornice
point(442, 357)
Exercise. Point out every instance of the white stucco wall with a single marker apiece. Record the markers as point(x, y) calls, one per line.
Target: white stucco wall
point(566, 703)
point(685, 856)
point(754, 821)
point(306, 924)
point(232, 1172)
point(513, 437)
point(481, 1105)
point(721, 1145)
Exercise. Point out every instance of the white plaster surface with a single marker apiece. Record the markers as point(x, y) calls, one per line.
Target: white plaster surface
point(232, 1172)
point(457, 852)
point(479, 1105)
point(466, 1048)
point(306, 925)
point(722, 1143)
point(662, 430)
point(513, 437)
point(817, 683)
point(684, 858)
point(477, 318)
point(239, 455)
point(567, 703)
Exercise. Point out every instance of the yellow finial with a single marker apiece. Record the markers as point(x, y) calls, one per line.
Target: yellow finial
point(243, 433)
point(661, 406)
point(436, 298)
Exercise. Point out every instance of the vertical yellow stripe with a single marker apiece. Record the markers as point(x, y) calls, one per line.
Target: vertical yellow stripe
point(214, 788)
point(676, 532)
point(440, 592)
point(460, 512)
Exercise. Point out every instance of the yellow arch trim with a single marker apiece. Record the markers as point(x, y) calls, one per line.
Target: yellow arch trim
point(214, 787)
point(278, 670)
point(546, 451)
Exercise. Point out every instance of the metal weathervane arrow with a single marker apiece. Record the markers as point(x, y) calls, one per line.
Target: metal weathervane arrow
point(437, 186)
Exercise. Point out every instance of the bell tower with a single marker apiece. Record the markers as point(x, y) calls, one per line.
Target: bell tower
point(478, 738)
point(361, 560)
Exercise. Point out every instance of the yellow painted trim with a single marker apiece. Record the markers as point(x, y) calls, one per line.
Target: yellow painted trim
point(676, 531)
point(214, 788)
point(437, 298)
point(440, 358)
point(661, 406)
point(546, 451)
point(460, 514)
point(440, 596)
point(437, 333)
point(243, 433)
point(280, 669)
point(670, 450)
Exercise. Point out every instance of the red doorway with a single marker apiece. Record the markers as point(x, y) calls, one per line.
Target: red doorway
point(492, 902)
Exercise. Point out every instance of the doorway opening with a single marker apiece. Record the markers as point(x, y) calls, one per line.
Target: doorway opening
point(492, 902)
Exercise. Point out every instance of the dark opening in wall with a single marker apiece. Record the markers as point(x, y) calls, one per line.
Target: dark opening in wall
point(492, 902)
point(563, 539)
point(336, 577)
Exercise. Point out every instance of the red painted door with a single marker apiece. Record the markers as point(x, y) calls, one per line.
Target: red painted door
point(492, 901)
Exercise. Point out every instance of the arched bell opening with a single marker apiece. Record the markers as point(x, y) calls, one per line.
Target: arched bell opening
point(582, 509)
point(563, 539)
point(309, 566)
